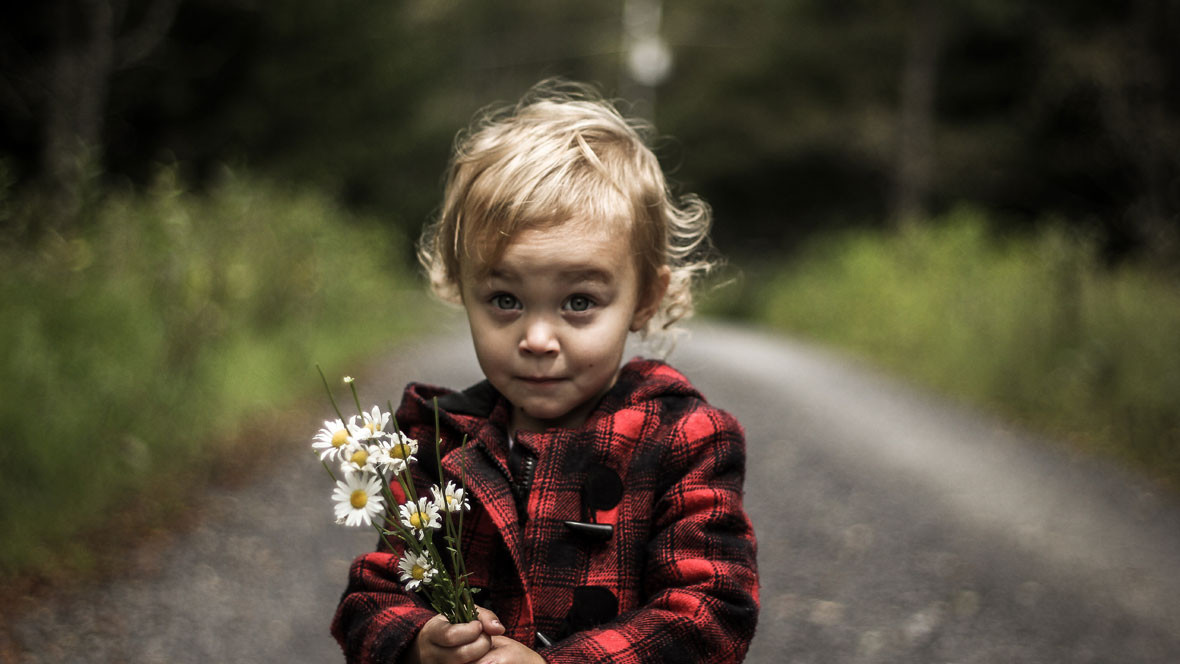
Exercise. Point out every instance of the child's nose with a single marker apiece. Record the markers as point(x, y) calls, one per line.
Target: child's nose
point(540, 337)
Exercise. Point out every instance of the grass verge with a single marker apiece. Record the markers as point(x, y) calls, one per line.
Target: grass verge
point(1033, 328)
point(137, 351)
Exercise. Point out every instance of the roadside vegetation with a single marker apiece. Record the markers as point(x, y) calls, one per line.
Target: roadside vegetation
point(139, 350)
point(1034, 328)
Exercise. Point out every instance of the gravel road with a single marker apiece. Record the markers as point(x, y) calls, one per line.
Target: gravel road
point(893, 527)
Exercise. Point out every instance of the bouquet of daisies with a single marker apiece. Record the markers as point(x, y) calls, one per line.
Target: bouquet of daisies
point(373, 455)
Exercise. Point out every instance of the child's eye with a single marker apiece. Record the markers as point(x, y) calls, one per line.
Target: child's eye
point(579, 303)
point(505, 301)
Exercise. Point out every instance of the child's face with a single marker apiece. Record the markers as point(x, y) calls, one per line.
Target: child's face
point(550, 320)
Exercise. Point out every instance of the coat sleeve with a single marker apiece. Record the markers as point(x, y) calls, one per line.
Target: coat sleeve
point(377, 618)
point(701, 577)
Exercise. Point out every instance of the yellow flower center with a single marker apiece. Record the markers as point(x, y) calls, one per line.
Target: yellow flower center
point(359, 498)
point(416, 520)
point(418, 572)
point(359, 457)
point(400, 450)
point(339, 438)
point(371, 426)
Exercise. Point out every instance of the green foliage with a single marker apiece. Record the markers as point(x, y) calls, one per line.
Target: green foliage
point(170, 321)
point(1032, 327)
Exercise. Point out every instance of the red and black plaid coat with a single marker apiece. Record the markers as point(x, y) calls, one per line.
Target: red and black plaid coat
point(630, 545)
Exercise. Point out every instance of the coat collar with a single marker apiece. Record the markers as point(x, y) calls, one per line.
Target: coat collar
point(481, 405)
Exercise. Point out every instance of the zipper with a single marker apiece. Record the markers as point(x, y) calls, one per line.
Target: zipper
point(523, 466)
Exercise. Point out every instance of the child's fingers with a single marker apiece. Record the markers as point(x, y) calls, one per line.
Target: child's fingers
point(440, 642)
point(490, 623)
point(506, 651)
point(469, 652)
point(445, 635)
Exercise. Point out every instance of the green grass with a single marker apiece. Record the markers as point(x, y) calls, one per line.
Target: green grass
point(1032, 328)
point(135, 349)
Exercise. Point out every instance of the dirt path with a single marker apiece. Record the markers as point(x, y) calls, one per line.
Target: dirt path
point(892, 527)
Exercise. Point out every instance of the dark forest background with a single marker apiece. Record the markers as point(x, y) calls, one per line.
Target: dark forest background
point(790, 116)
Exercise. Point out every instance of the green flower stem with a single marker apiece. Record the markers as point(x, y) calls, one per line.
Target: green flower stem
point(325, 465)
point(384, 538)
point(462, 566)
point(408, 540)
point(407, 484)
point(460, 596)
point(457, 589)
point(456, 595)
point(330, 397)
point(356, 399)
point(391, 518)
point(387, 490)
point(450, 598)
point(452, 537)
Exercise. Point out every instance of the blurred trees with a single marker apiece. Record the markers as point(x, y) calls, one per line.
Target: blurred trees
point(824, 104)
point(1131, 66)
point(59, 63)
point(790, 116)
point(914, 166)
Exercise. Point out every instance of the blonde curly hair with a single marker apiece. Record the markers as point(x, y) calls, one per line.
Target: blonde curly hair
point(563, 153)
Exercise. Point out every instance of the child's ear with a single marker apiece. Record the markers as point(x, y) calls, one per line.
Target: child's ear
point(649, 302)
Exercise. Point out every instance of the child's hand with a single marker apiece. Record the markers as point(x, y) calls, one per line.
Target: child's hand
point(506, 651)
point(440, 642)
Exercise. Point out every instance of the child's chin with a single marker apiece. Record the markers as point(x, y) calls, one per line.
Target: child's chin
point(549, 417)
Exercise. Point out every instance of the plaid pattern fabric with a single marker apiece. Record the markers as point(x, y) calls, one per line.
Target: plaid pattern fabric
point(675, 580)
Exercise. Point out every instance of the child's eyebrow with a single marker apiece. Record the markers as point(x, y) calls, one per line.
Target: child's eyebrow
point(587, 274)
point(572, 275)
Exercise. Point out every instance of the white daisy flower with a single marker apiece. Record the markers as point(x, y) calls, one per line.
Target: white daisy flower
point(376, 420)
point(331, 439)
point(358, 499)
point(416, 570)
point(403, 447)
point(421, 516)
point(383, 461)
point(358, 432)
point(369, 426)
point(452, 499)
point(359, 457)
point(394, 453)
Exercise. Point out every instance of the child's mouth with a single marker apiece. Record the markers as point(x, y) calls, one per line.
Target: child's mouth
point(539, 380)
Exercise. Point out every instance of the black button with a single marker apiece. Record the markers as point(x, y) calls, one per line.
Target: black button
point(604, 488)
point(592, 606)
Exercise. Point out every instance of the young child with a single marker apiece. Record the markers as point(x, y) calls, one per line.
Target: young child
point(607, 521)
